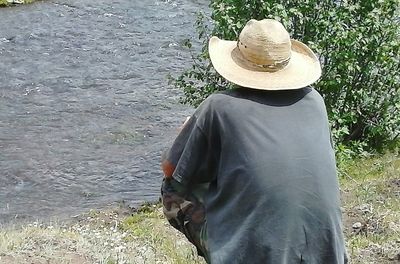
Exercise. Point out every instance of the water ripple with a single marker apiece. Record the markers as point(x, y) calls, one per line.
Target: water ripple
point(84, 108)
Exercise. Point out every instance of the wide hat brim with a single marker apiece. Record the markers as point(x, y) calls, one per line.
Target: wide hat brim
point(302, 70)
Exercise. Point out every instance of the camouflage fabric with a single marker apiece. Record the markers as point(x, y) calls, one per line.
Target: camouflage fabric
point(186, 213)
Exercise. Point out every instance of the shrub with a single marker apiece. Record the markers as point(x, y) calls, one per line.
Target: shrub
point(358, 45)
point(3, 3)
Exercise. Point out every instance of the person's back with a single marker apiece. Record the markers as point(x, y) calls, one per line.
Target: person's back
point(274, 196)
point(251, 178)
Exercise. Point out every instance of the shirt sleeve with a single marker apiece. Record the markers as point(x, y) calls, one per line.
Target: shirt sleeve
point(190, 153)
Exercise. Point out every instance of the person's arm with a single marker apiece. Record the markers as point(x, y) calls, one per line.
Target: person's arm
point(191, 158)
point(167, 167)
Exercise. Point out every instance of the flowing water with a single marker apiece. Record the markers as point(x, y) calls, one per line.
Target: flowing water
point(85, 109)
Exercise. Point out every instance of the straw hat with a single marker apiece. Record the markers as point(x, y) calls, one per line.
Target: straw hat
point(265, 58)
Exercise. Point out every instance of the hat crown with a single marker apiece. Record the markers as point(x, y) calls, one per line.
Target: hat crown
point(265, 43)
point(265, 58)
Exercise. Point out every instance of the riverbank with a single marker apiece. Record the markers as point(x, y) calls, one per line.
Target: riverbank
point(5, 3)
point(371, 212)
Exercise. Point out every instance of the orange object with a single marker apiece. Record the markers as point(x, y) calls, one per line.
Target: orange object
point(168, 168)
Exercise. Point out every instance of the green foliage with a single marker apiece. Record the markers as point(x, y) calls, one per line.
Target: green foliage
point(358, 45)
point(5, 3)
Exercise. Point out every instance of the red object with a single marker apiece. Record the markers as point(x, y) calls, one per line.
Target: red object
point(168, 168)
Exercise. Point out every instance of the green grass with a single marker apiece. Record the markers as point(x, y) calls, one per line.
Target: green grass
point(149, 225)
point(371, 197)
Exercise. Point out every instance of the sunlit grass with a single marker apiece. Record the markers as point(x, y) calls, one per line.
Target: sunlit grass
point(371, 202)
point(149, 226)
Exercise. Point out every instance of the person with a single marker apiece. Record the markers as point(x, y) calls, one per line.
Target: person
point(251, 177)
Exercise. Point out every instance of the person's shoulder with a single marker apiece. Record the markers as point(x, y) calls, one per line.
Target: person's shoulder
point(315, 100)
point(220, 96)
point(313, 92)
point(216, 99)
point(315, 95)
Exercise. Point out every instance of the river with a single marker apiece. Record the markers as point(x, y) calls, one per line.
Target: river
point(85, 109)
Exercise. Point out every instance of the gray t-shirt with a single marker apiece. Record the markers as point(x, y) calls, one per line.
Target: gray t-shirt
point(273, 195)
